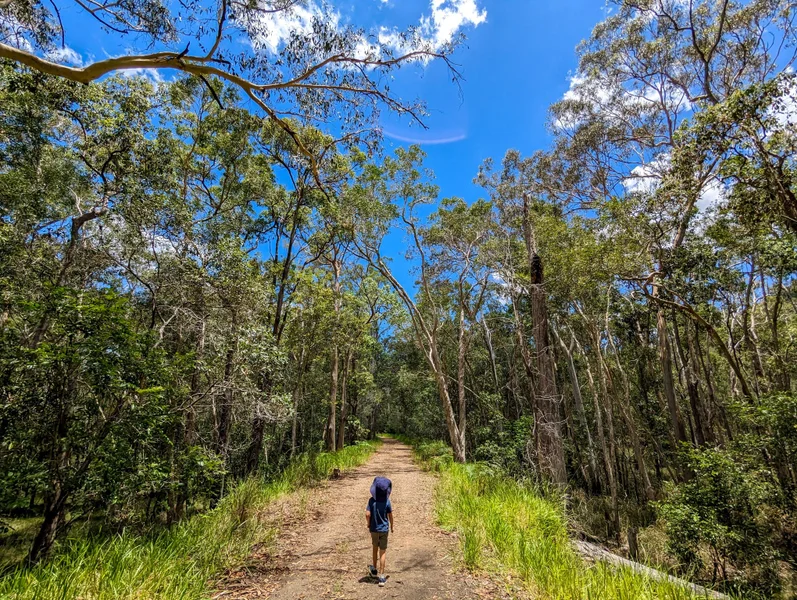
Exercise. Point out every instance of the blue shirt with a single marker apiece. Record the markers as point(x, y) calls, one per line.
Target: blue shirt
point(379, 512)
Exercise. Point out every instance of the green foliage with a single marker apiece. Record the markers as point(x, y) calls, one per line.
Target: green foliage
point(735, 511)
point(434, 455)
point(505, 448)
point(506, 526)
point(179, 563)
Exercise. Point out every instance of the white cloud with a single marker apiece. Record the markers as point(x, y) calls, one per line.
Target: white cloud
point(154, 75)
point(270, 31)
point(65, 55)
point(609, 99)
point(784, 110)
point(667, 96)
point(12, 32)
point(587, 90)
point(645, 179)
point(438, 28)
point(448, 17)
point(712, 194)
point(365, 50)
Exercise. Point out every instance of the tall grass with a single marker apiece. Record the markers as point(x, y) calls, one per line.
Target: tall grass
point(180, 563)
point(506, 526)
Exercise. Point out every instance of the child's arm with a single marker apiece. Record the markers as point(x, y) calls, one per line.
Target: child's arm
point(368, 518)
point(390, 518)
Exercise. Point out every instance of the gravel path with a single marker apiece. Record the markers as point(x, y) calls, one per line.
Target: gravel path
point(324, 546)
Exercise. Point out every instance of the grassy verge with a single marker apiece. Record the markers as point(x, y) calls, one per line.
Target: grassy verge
point(505, 526)
point(182, 562)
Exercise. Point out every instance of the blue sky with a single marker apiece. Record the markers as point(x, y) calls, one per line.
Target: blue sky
point(515, 65)
point(516, 61)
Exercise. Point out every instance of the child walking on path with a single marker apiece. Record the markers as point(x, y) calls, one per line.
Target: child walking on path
point(379, 517)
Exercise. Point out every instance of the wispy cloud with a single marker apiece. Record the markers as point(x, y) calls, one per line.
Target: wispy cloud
point(435, 29)
point(154, 75)
point(65, 55)
point(270, 31)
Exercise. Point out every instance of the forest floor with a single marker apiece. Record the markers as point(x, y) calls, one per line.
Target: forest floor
point(323, 547)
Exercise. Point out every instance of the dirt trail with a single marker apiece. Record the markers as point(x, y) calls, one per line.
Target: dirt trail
point(324, 547)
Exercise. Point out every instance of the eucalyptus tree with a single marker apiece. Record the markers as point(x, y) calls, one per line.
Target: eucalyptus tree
point(129, 230)
point(518, 196)
point(390, 194)
point(456, 278)
point(73, 361)
point(643, 72)
point(287, 226)
point(319, 70)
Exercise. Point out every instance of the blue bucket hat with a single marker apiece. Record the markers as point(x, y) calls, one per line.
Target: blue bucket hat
point(381, 488)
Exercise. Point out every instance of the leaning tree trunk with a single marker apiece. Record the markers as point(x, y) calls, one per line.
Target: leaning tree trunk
point(578, 403)
point(55, 509)
point(613, 522)
point(625, 411)
point(665, 359)
point(456, 436)
point(55, 502)
point(297, 397)
point(462, 349)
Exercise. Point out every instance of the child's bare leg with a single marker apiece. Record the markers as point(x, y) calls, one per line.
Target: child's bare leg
point(382, 554)
point(375, 563)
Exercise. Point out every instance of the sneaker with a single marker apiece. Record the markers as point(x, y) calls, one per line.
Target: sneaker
point(382, 581)
point(372, 571)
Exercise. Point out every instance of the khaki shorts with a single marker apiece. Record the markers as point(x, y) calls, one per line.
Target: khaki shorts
point(379, 538)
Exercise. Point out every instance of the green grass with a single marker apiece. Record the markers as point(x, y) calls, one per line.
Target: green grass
point(15, 542)
point(508, 527)
point(180, 563)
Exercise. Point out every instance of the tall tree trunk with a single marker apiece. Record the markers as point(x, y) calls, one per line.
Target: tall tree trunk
point(691, 385)
point(665, 359)
point(525, 356)
point(55, 501)
point(297, 397)
point(488, 342)
point(455, 435)
point(331, 437)
point(703, 408)
point(225, 410)
point(782, 377)
point(550, 446)
point(54, 512)
point(343, 401)
point(606, 451)
point(749, 335)
point(462, 348)
point(578, 403)
point(625, 411)
point(330, 434)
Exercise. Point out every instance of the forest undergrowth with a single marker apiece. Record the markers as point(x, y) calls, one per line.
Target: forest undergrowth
point(511, 527)
point(180, 563)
